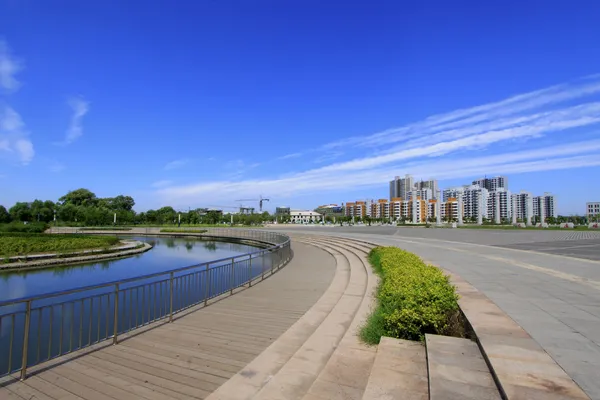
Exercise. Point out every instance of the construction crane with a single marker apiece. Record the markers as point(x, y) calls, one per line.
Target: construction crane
point(260, 201)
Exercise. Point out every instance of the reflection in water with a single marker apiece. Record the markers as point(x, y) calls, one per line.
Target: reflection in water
point(167, 254)
point(210, 246)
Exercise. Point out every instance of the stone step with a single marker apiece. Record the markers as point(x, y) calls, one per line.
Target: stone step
point(457, 370)
point(346, 373)
point(399, 371)
point(520, 366)
point(297, 375)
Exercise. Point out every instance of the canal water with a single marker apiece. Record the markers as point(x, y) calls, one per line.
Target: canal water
point(60, 324)
point(168, 253)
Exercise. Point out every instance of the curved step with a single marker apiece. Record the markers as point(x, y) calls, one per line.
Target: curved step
point(346, 373)
point(252, 378)
point(296, 377)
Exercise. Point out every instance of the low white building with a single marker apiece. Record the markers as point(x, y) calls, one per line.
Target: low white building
point(592, 210)
point(305, 216)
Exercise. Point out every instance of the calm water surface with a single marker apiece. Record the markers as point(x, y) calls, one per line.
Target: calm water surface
point(168, 253)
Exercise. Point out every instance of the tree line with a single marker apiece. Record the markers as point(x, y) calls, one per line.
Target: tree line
point(82, 207)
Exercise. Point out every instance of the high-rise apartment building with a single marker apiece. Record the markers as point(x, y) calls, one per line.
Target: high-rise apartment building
point(491, 184)
point(544, 207)
point(423, 194)
point(523, 203)
point(431, 184)
point(475, 200)
point(499, 205)
point(401, 187)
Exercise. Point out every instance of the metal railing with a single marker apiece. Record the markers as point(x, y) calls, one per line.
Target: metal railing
point(37, 329)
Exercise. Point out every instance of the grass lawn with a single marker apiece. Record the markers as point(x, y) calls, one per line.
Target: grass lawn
point(27, 244)
point(511, 227)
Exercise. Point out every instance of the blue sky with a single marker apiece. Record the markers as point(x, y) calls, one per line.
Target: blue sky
point(305, 102)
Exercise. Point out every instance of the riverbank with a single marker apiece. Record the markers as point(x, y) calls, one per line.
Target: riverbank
point(46, 260)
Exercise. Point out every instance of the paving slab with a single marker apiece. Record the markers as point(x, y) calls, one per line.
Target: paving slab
point(399, 371)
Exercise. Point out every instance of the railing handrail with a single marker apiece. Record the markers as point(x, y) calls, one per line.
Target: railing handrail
point(152, 275)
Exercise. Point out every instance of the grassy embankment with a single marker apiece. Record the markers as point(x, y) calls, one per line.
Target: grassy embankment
point(413, 299)
point(20, 244)
point(184, 230)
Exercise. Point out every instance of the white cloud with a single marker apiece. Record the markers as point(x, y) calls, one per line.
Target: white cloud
point(14, 139)
point(80, 108)
point(9, 67)
point(160, 184)
point(177, 164)
point(460, 144)
point(288, 156)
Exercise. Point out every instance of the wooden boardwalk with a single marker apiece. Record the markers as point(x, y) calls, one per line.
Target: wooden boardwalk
point(194, 355)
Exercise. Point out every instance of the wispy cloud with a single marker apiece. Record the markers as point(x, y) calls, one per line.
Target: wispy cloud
point(80, 108)
point(288, 156)
point(56, 166)
point(459, 144)
point(177, 164)
point(9, 67)
point(14, 138)
point(161, 184)
point(15, 144)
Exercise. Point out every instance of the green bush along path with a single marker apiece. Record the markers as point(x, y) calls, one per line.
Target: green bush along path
point(15, 244)
point(413, 298)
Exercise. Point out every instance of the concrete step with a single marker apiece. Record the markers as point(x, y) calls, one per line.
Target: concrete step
point(297, 375)
point(399, 371)
point(346, 373)
point(520, 366)
point(457, 370)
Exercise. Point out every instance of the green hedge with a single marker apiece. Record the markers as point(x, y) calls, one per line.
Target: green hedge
point(25, 244)
point(183, 230)
point(413, 298)
point(32, 227)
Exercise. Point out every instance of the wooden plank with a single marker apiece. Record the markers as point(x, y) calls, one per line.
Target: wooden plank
point(26, 392)
point(160, 371)
point(50, 389)
point(176, 391)
point(72, 386)
point(117, 381)
point(199, 365)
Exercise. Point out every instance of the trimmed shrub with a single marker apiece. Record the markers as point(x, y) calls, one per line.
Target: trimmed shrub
point(32, 227)
point(413, 298)
point(24, 244)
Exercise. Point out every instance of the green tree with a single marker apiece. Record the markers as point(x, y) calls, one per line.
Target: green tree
point(79, 197)
point(21, 211)
point(4, 215)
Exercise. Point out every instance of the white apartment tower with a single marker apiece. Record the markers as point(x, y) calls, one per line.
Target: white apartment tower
point(499, 205)
point(544, 207)
point(475, 200)
point(431, 184)
point(423, 194)
point(523, 202)
point(492, 184)
point(401, 187)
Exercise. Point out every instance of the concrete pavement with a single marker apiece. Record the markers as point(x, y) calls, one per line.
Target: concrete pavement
point(555, 298)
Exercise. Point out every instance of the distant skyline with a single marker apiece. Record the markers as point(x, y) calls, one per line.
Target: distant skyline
point(304, 103)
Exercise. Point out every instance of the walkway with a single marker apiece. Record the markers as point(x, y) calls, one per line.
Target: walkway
point(194, 355)
point(555, 298)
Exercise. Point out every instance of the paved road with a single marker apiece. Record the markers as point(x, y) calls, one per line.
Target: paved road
point(551, 294)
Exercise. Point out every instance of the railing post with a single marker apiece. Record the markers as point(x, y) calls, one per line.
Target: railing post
point(207, 292)
point(250, 270)
point(116, 315)
point(272, 253)
point(171, 297)
point(232, 276)
point(262, 259)
point(25, 340)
